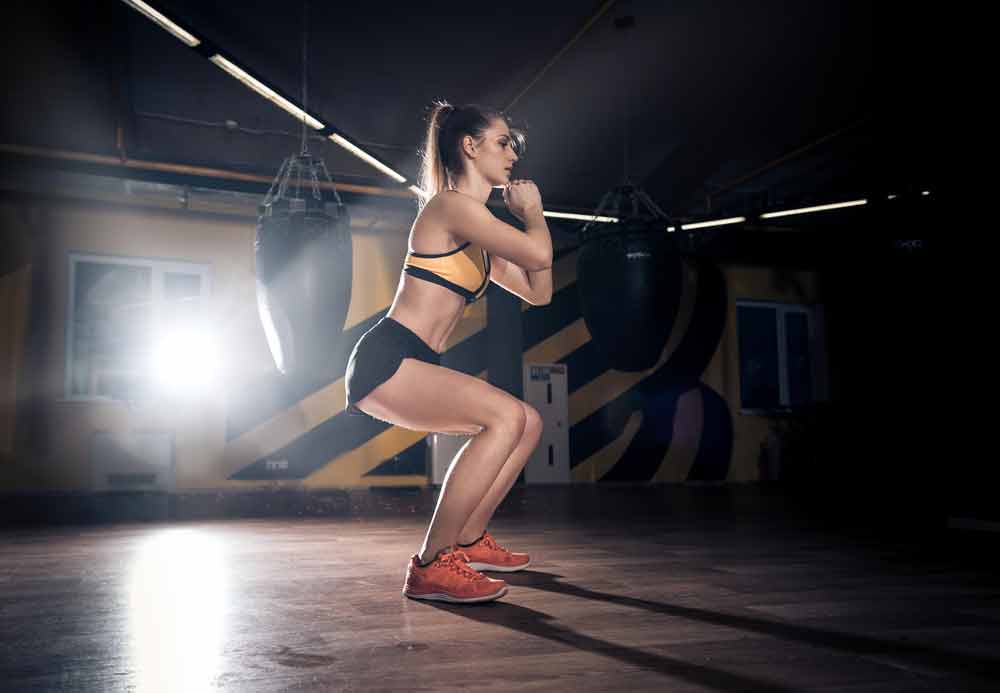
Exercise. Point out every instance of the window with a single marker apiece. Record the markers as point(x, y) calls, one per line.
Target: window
point(119, 309)
point(782, 362)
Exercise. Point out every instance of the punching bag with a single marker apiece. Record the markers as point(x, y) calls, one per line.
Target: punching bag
point(629, 281)
point(303, 256)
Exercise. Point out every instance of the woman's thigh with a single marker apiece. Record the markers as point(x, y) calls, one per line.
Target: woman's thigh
point(421, 396)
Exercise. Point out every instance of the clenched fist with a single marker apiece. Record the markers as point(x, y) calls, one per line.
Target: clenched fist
point(522, 198)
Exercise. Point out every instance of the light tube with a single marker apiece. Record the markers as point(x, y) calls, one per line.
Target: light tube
point(581, 217)
point(717, 222)
point(805, 210)
point(265, 91)
point(145, 9)
point(365, 156)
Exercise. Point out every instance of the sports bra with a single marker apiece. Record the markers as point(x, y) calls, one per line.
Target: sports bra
point(453, 270)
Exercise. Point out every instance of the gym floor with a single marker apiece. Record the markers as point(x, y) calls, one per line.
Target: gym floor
point(670, 588)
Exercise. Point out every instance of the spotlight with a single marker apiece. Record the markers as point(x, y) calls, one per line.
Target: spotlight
point(185, 362)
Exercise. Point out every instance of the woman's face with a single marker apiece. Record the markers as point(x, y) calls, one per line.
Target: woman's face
point(496, 154)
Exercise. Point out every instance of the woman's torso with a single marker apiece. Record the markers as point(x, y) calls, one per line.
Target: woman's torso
point(430, 310)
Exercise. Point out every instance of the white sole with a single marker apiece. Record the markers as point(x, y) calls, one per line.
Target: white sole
point(441, 597)
point(501, 569)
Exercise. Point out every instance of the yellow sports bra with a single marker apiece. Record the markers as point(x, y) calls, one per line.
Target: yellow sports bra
point(453, 270)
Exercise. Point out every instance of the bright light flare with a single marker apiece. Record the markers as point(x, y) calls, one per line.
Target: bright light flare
point(185, 361)
point(177, 602)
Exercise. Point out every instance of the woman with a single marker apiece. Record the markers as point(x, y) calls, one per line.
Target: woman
point(394, 372)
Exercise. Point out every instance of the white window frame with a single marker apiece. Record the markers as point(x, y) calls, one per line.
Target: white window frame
point(159, 268)
point(817, 350)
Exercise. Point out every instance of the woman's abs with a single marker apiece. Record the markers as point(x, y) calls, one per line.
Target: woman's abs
point(431, 311)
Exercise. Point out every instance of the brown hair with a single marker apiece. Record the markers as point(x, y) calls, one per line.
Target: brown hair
point(441, 157)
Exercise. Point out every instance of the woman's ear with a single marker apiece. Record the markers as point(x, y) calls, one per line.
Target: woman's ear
point(469, 146)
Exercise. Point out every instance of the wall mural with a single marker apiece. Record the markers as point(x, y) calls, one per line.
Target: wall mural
point(287, 429)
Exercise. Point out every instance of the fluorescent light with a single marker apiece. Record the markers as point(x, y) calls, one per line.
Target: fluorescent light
point(417, 191)
point(145, 9)
point(717, 222)
point(265, 91)
point(892, 197)
point(581, 217)
point(365, 156)
point(926, 192)
point(805, 210)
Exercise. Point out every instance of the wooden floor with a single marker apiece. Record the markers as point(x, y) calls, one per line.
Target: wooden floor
point(695, 595)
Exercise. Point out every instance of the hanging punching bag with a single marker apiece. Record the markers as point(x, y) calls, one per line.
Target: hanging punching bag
point(629, 279)
point(303, 263)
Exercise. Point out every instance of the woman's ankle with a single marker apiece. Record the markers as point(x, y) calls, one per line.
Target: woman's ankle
point(426, 557)
point(461, 544)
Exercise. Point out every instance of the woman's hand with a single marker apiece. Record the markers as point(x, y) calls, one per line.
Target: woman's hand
point(522, 198)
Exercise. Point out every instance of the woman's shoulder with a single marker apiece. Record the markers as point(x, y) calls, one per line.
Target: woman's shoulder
point(429, 233)
point(449, 207)
point(437, 204)
point(443, 200)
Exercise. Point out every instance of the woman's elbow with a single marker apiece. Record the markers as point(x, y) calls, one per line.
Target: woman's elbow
point(543, 262)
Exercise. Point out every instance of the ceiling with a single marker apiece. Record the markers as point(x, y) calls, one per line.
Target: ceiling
point(727, 105)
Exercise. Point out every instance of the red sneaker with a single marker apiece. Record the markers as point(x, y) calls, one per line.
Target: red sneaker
point(449, 578)
point(486, 554)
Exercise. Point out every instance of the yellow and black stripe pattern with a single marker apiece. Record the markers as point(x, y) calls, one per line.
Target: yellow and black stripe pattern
point(662, 424)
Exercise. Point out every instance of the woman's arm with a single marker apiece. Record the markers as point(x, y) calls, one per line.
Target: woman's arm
point(532, 285)
point(541, 285)
point(540, 280)
point(529, 286)
point(470, 220)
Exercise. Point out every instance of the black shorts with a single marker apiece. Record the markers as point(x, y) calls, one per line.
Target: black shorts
point(377, 356)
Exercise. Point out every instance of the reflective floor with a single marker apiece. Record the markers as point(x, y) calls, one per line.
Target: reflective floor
point(693, 595)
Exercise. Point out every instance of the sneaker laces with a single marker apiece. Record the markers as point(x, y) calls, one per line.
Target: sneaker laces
point(489, 542)
point(458, 561)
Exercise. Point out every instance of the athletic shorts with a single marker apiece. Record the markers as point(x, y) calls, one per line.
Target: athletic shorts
point(377, 356)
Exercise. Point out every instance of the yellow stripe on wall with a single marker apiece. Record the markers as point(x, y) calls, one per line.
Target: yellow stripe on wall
point(284, 428)
point(350, 468)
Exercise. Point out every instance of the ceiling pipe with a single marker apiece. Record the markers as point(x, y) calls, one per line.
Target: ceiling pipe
point(182, 169)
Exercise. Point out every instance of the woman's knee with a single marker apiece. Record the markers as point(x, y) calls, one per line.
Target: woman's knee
point(509, 417)
point(533, 423)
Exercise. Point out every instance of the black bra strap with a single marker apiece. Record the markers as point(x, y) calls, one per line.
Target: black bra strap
point(450, 252)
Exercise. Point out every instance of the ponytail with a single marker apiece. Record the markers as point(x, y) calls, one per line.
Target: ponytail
point(433, 176)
